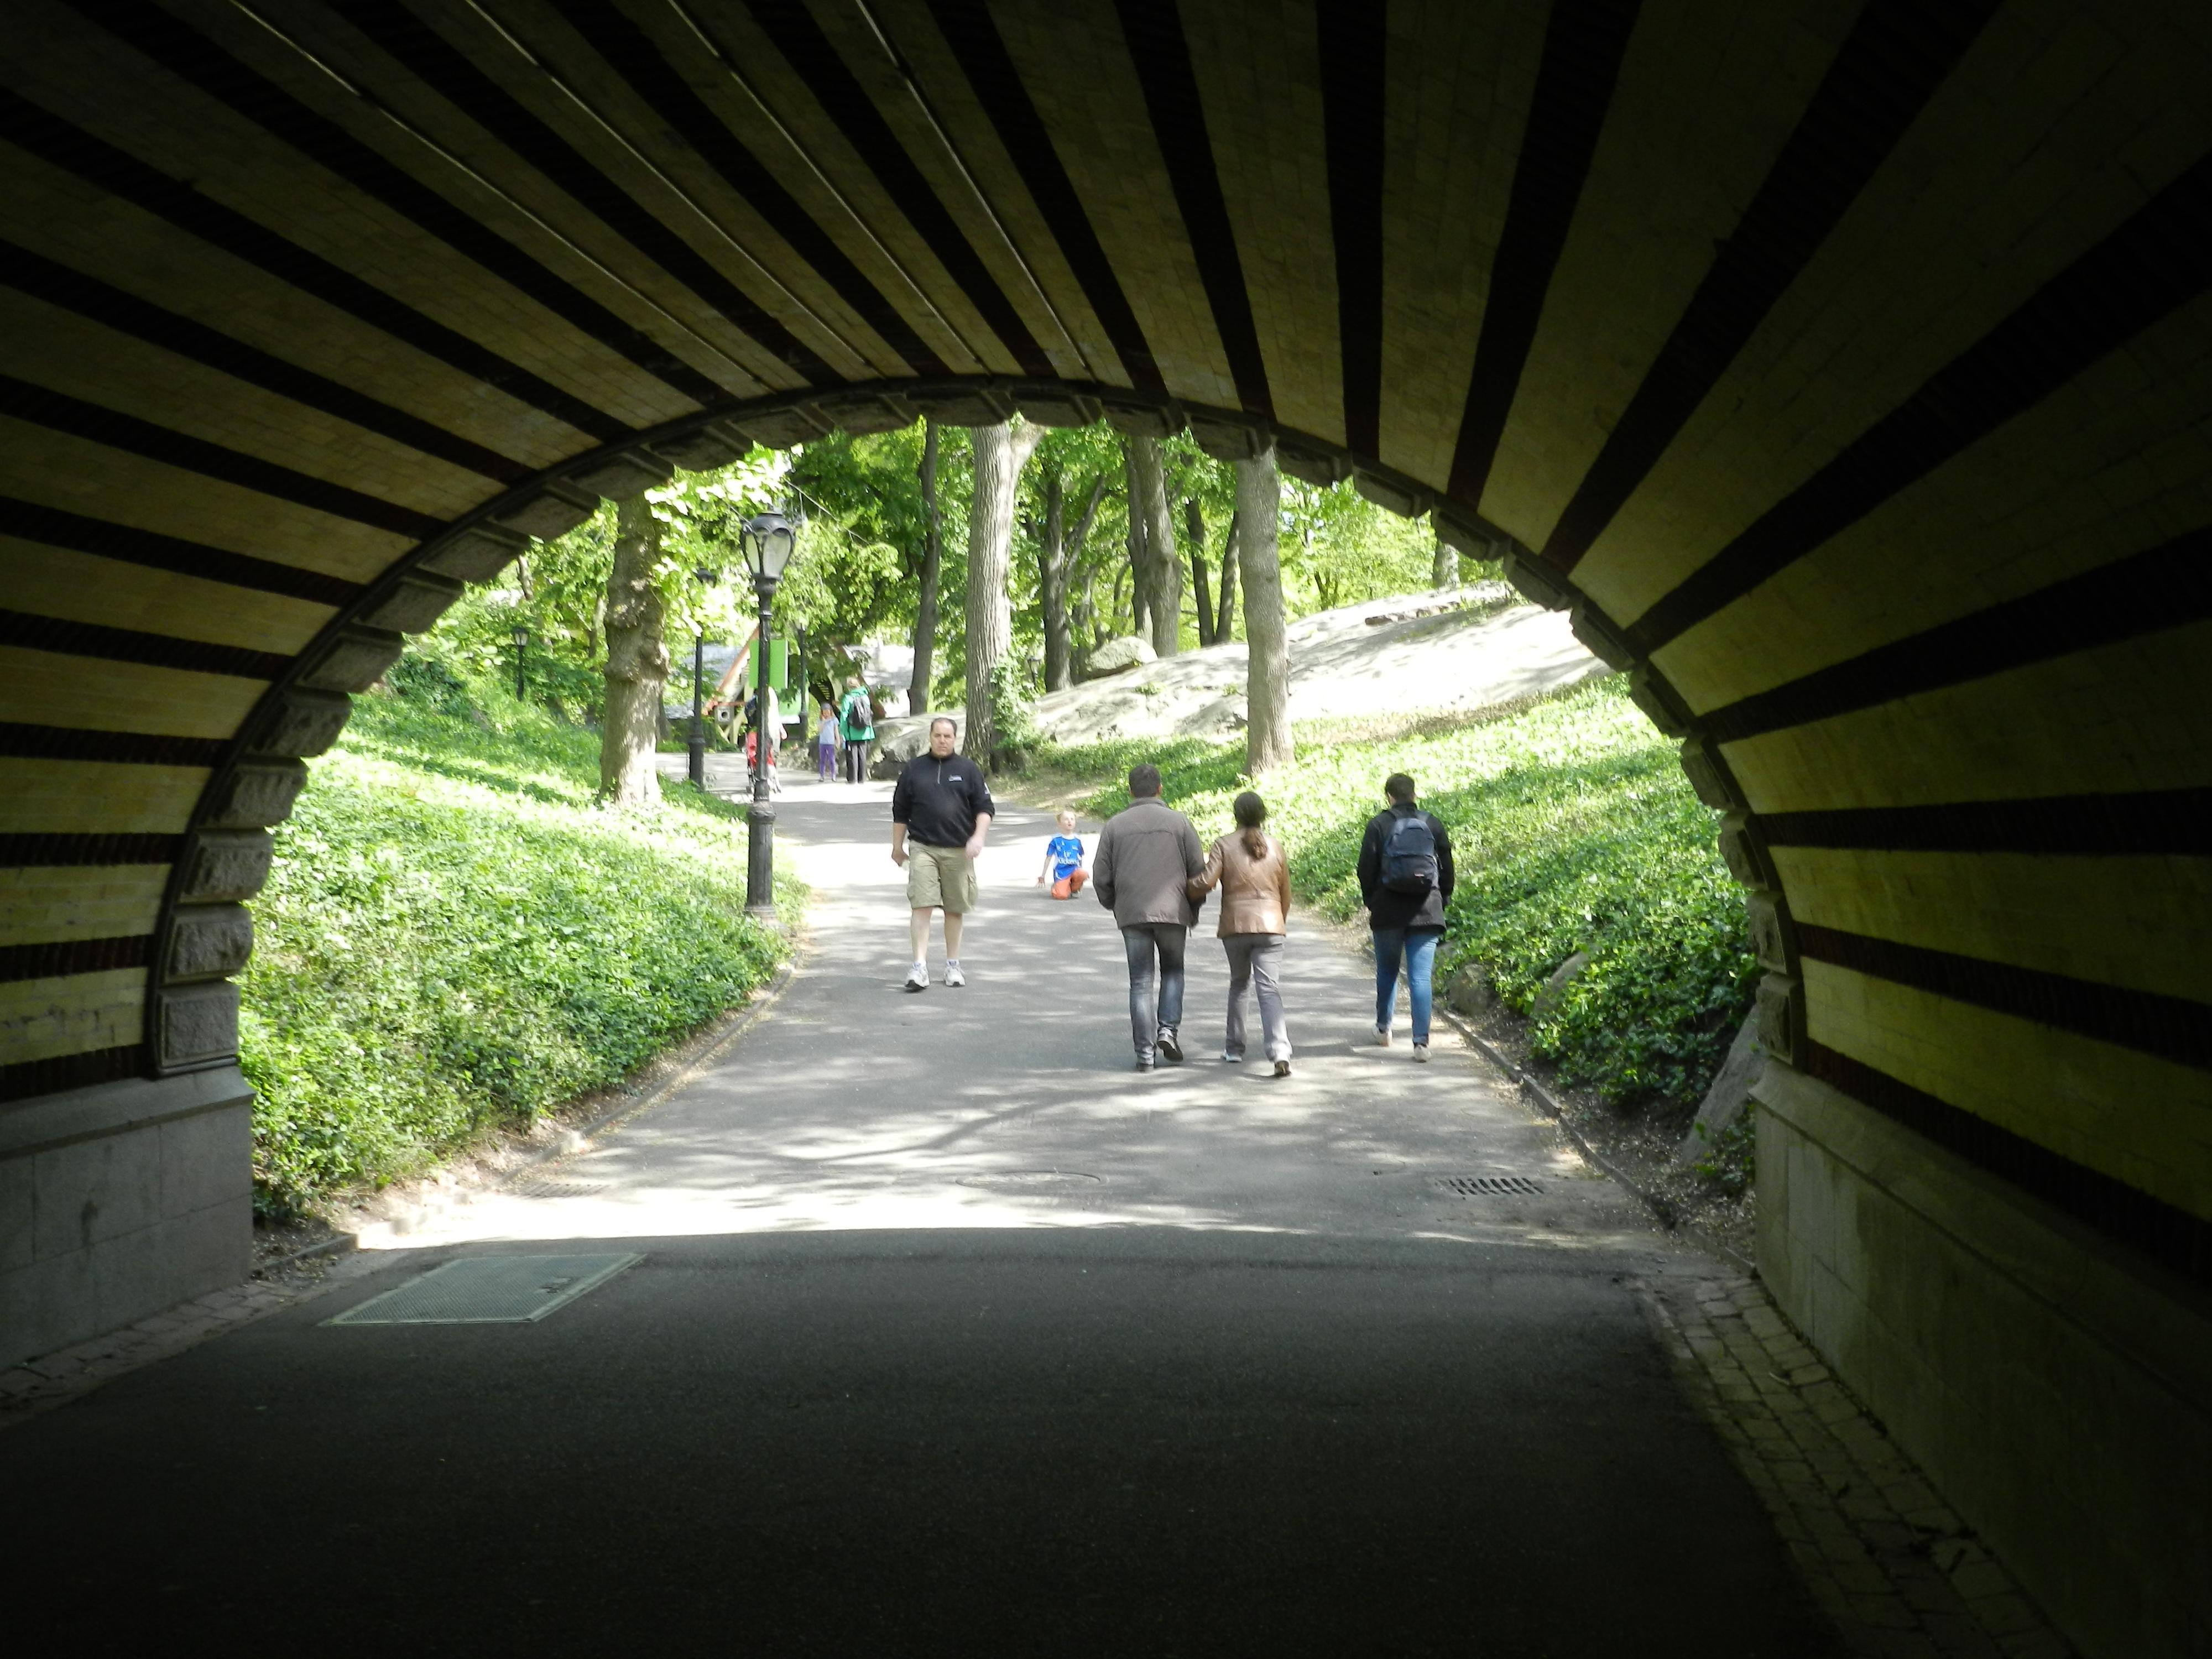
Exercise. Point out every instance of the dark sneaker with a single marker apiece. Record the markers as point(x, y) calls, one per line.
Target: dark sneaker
point(1145, 1065)
point(1168, 1047)
point(1282, 1068)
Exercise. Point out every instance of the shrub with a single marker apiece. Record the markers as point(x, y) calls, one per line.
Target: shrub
point(453, 937)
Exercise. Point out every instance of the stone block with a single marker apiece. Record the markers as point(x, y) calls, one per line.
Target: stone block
point(781, 429)
point(92, 1190)
point(1312, 464)
point(1459, 529)
point(414, 602)
point(299, 722)
point(208, 941)
point(1604, 641)
point(476, 554)
point(860, 413)
point(18, 1212)
point(705, 449)
point(1226, 438)
point(1780, 1014)
point(1766, 914)
point(1536, 581)
point(206, 1160)
point(1662, 705)
point(352, 659)
point(1710, 777)
point(196, 1025)
point(1047, 404)
point(556, 509)
point(1744, 855)
point(220, 864)
point(1392, 494)
point(982, 402)
point(1471, 991)
point(1730, 1092)
point(1140, 420)
point(626, 473)
point(255, 794)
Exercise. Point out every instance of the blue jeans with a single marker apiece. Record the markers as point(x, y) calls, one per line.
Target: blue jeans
point(1419, 946)
point(1148, 1018)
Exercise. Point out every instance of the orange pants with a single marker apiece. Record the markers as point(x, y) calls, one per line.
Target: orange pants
point(1071, 884)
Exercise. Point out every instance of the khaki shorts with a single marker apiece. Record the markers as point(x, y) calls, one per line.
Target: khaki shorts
point(939, 878)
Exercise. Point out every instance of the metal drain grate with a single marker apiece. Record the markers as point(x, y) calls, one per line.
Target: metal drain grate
point(490, 1289)
point(557, 1188)
point(1488, 1185)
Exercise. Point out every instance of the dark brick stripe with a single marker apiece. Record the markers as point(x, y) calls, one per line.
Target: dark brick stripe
point(2172, 1028)
point(632, 55)
point(1161, 56)
point(792, 28)
point(1888, 67)
point(59, 412)
point(441, 66)
point(1583, 44)
point(2177, 1240)
point(968, 27)
point(82, 955)
point(89, 297)
point(1353, 37)
point(185, 53)
point(2169, 823)
point(22, 742)
point(56, 528)
point(30, 1078)
point(78, 638)
point(2158, 261)
point(127, 178)
point(2168, 587)
point(77, 852)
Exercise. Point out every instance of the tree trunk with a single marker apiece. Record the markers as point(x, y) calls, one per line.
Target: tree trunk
point(1059, 547)
point(1194, 521)
point(1224, 625)
point(1163, 569)
point(637, 661)
point(932, 559)
point(1000, 452)
point(1267, 684)
point(1140, 561)
point(1447, 565)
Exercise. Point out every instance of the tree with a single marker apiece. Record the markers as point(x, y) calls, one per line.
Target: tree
point(1160, 577)
point(1000, 452)
point(1267, 740)
point(1224, 625)
point(1059, 545)
point(637, 660)
point(1194, 521)
point(1445, 571)
point(932, 564)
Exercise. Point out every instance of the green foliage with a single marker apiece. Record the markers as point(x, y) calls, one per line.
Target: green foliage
point(454, 938)
point(1572, 829)
point(1730, 1156)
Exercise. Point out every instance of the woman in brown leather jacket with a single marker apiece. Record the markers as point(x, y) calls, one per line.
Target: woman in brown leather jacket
point(1254, 879)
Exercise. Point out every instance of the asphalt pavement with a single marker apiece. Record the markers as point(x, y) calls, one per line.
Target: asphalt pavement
point(953, 1334)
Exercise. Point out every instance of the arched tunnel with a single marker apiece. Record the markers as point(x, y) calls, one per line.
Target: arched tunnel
point(1844, 368)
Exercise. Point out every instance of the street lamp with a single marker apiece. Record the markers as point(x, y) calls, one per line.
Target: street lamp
point(698, 744)
point(766, 542)
point(521, 640)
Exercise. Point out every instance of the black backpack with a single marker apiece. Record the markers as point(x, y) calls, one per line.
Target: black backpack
point(1409, 856)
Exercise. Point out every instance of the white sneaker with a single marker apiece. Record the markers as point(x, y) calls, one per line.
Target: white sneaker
point(1420, 1053)
point(953, 975)
point(1232, 1059)
point(917, 977)
point(1382, 1036)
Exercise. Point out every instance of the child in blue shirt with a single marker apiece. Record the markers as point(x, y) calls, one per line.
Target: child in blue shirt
point(1063, 860)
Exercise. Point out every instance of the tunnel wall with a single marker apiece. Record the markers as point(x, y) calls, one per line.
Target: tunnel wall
point(1844, 369)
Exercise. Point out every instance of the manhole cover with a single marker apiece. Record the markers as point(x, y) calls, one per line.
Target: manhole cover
point(1487, 1186)
point(1031, 1181)
point(556, 1188)
point(490, 1289)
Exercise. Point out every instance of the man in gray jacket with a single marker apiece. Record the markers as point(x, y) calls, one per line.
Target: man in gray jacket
point(1146, 854)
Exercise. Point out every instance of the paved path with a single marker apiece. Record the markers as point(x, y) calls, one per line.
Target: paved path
point(954, 1334)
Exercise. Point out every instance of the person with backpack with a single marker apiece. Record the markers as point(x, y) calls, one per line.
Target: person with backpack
point(1406, 877)
point(857, 715)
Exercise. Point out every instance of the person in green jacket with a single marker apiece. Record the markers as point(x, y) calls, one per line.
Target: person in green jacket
point(857, 715)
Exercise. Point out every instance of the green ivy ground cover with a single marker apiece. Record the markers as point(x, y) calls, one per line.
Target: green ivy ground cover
point(1573, 830)
point(455, 936)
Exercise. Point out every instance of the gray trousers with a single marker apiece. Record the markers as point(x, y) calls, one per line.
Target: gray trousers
point(1256, 960)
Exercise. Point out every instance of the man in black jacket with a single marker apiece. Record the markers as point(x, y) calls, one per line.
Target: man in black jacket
point(943, 803)
point(1406, 876)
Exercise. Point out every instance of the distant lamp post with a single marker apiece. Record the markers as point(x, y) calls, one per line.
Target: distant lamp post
point(521, 643)
point(698, 744)
point(766, 542)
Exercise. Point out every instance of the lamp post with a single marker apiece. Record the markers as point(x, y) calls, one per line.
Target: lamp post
point(521, 640)
point(698, 744)
point(767, 542)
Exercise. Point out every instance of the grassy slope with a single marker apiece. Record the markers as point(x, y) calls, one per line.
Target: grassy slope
point(455, 936)
point(1573, 829)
